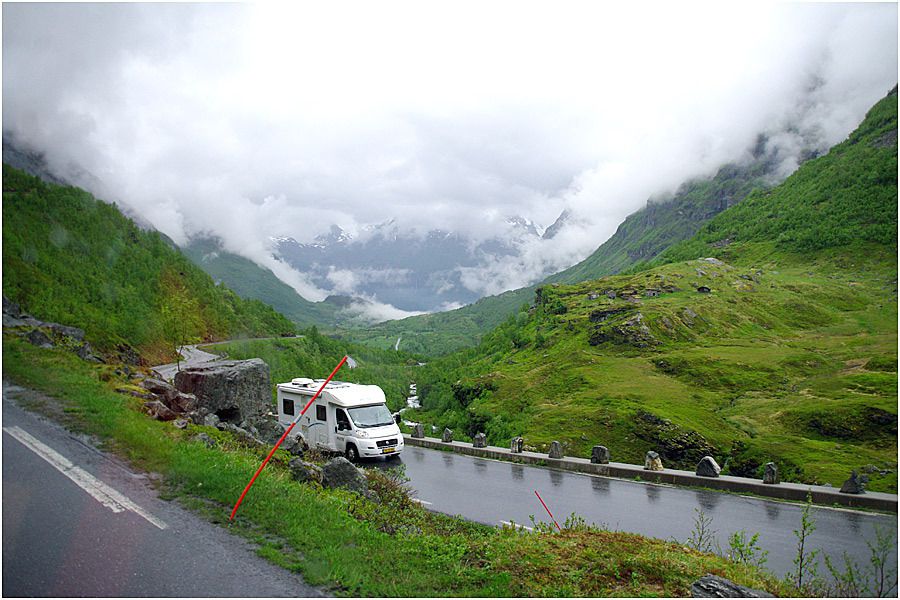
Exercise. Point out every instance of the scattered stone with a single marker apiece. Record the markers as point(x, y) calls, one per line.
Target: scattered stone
point(136, 394)
point(712, 261)
point(203, 437)
point(710, 586)
point(211, 420)
point(593, 296)
point(180, 423)
point(447, 436)
point(555, 450)
point(611, 295)
point(770, 475)
point(66, 331)
point(158, 410)
point(236, 390)
point(418, 431)
point(85, 352)
point(340, 473)
point(39, 339)
point(303, 471)
point(708, 467)
point(701, 273)
point(243, 436)
point(600, 455)
point(516, 444)
point(703, 289)
point(294, 445)
point(184, 403)
point(856, 484)
point(480, 440)
point(870, 469)
point(11, 308)
point(268, 429)
point(652, 462)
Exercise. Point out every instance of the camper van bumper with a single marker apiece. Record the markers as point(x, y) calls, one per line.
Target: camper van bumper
point(381, 447)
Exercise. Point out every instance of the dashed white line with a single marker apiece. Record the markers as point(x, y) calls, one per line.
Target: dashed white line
point(102, 493)
point(516, 525)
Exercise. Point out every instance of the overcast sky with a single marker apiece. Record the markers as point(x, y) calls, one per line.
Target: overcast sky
point(276, 119)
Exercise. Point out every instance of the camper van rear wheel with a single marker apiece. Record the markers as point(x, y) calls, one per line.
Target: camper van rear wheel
point(352, 453)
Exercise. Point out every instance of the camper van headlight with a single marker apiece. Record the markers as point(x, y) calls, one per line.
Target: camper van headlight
point(362, 434)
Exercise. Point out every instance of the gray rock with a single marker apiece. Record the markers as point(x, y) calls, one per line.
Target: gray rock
point(652, 462)
point(708, 467)
point(158, 410)
point(555, 450)
point(770, 476)
point(303, 471)
point(242, 435)
point(85, 352)
point(856, 484)
point(159, 387)
point(11, 308)
point(269, 429)
point(211, 420)
point(418, 431)
point(479, 441)
point(600, 455)
point(234, 389)
point(66, 331)
point(39, 338)
point(340, 473)
point(447, 436)
point(203, 437)
point(184, 403)
point(180, 423)
point(294, 445)
point(516, 444)
point(710, 586)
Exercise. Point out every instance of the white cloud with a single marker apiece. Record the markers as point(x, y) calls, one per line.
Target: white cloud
point(279, 119)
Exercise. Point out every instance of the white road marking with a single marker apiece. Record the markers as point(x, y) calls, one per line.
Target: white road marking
point(102, 493)
point(517, 526)
point(423, 502)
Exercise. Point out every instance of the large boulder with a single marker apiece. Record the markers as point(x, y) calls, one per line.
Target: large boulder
point(710, 586)
point(235, 390)
point(708, 467)
point(340, 473)
point(303, 471)
point(158, 410)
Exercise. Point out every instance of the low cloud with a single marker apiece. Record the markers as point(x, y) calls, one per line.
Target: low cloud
point(259, 120)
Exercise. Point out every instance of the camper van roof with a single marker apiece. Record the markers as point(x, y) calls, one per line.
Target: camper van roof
point(339, 393)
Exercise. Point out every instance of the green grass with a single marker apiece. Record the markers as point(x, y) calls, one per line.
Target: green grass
point(344, 543)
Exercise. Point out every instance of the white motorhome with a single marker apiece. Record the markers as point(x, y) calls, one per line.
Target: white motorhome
point(346, 417)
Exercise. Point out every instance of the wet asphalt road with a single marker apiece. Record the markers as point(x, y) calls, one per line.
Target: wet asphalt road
point(59, 541)
point(491, 492)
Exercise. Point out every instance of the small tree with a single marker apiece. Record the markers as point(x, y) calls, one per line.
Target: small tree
point(181, 321)
point(806, 573)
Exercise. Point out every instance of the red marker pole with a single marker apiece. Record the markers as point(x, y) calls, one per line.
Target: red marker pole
point(547, 509)
point(281, 439)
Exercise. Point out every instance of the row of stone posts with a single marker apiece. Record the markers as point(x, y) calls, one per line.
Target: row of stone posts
point(707, 467)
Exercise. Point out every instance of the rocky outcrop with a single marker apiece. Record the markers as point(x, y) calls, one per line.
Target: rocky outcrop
point(45, 334)
point(632, 331)
point(710, 586)
point(235, 390)
point(340, 473)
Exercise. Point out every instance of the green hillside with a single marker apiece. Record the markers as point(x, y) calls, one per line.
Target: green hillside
point(251, 281)
point(791, 356)
point(73, 259)
point(642, 236)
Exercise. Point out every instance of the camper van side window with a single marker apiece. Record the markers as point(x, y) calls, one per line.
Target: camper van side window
point(320, 413)
point(287, 407)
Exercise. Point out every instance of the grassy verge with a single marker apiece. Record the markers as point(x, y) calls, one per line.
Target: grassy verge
point(350, 545)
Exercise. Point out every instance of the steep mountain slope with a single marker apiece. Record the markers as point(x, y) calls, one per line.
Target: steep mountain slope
point(780, 344)
point(249, 280)
point(642, 236)
point(71, 258)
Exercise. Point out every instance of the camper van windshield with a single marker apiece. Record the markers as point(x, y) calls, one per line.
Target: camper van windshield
point(371, 416)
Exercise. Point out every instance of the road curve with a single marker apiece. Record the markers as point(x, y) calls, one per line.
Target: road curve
point(81, 523)
point(490, 491)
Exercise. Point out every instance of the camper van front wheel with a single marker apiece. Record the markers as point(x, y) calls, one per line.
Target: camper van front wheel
point(352, 453)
